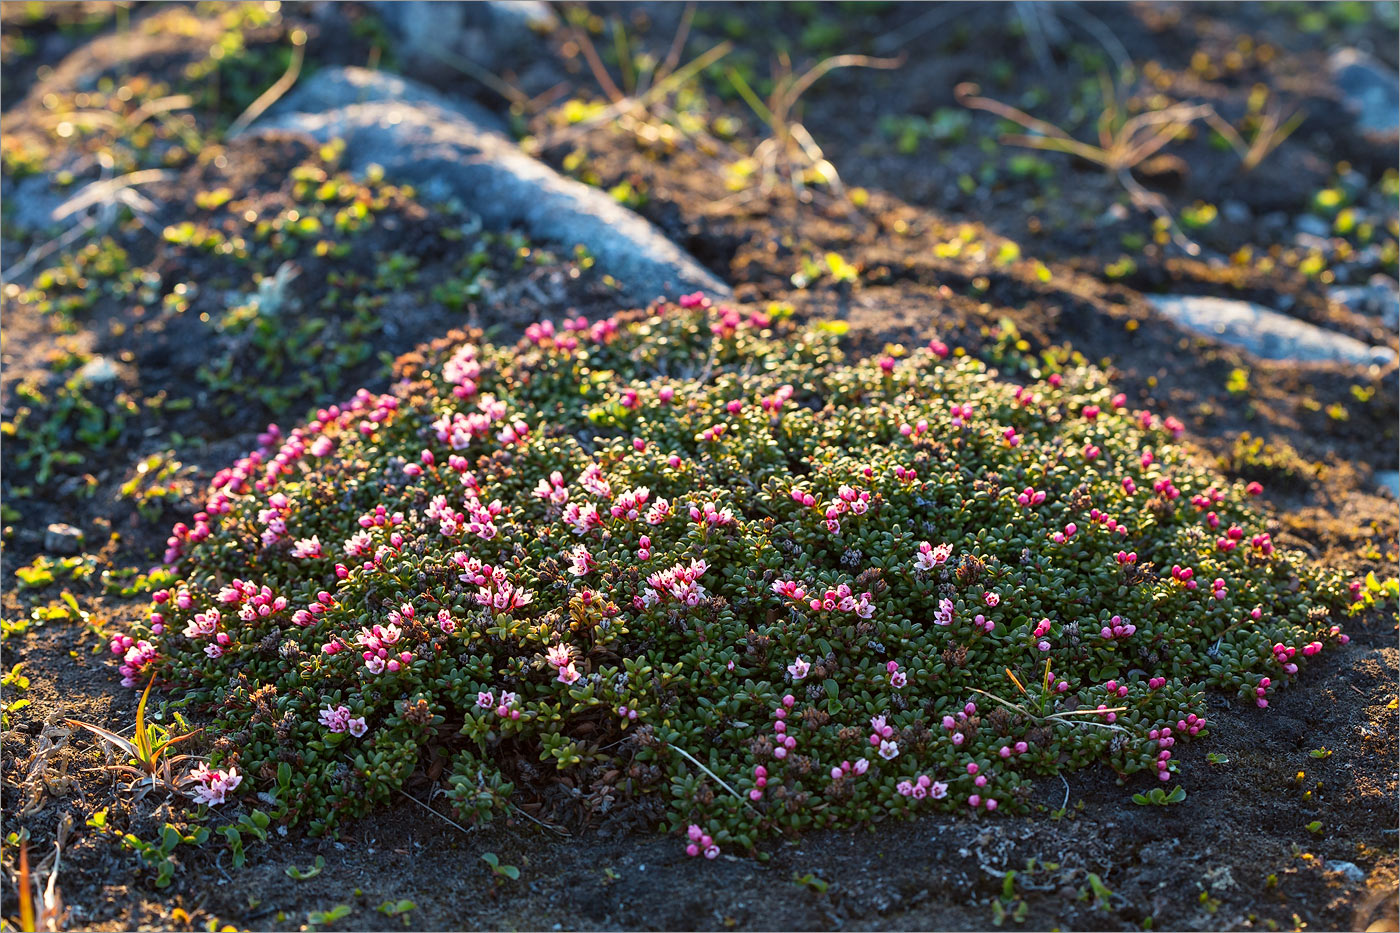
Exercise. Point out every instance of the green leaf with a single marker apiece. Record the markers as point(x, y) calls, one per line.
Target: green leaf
point(298, 874)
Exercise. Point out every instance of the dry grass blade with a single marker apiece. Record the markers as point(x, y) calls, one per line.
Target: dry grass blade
point(124, 123)
point(98, 202)
point(26, 891)
point(49, 916)
point(46, 771)
point(719, 780)
point(105, 190)
point(279, 87)
point(673, 55)
point(1271, 132)
point(1060, 717)
point(640, 104)
point(791, 150)
point(1123, 144)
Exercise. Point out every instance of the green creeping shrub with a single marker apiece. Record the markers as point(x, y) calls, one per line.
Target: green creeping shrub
point(695, 561)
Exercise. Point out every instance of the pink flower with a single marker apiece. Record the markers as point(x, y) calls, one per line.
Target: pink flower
point(357, 726)
point(888, 749)
point(580, 561)
point(214, 786)
point(799, 669)
point(336, 719)
point(931, 556)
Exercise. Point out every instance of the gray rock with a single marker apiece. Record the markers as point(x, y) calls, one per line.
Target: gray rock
point(30, 203)
point(1389, 479)
point(450, 148)
point(1378, 298)
point(1349, 870)
point(1313, 225)
point(97, 371)
point(491, 35)
point(1265, 333)
point(1370, 91)
point(62, 539)
point(1237, 212)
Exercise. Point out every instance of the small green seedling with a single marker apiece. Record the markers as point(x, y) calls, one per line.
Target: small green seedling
point(1009, 905)
point(811, 882)
point(297, 874)
point(1160, 797)
point(398, 909)
point(158, 856)
point(500, 871)
point(1102, 895)
point(319, 918)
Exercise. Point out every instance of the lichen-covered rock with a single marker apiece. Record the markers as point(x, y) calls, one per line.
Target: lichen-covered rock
point(492, 34)
point(1370, 90)
point(1265, 333)
point(451, 148)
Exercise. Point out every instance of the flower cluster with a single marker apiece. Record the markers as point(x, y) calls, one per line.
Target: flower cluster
point(694, 555)
point(212, 786)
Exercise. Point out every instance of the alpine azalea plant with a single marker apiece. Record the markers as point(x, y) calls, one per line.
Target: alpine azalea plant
point(693, 561)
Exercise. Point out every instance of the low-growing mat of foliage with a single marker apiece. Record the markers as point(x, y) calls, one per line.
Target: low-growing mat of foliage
point(699, 562)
